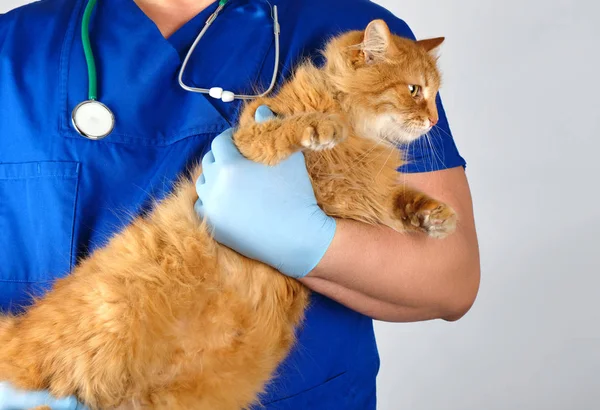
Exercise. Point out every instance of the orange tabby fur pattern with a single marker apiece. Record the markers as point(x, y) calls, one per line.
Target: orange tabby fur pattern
point(164, 317)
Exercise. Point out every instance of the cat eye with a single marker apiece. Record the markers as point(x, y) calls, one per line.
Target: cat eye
point(415, 90)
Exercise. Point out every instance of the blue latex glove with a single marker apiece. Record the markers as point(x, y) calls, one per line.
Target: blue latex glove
point(13, 399)
point(267, 213)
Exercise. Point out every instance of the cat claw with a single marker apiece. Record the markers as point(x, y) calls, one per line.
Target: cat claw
point(439, 222)
point(325, 134)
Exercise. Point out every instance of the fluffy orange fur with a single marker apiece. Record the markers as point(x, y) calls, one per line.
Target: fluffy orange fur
point(164, 317)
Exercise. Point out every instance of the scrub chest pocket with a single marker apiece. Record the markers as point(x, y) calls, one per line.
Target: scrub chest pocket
point(37, 213)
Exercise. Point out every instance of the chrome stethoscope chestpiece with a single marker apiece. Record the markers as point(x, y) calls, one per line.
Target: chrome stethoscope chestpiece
point(93, 120)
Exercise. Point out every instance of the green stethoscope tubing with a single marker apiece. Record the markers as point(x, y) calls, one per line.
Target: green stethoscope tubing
point(89, 53)
point(90, 118)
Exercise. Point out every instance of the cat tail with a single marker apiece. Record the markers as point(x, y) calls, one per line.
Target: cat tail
point(7, 338)
point(7, 325)
point(11, 368)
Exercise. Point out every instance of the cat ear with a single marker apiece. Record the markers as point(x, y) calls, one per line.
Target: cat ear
point(431, 44)
point(376, 41)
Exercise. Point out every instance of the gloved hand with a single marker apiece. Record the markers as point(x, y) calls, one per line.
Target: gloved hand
point(267, 213)
point(13, 399)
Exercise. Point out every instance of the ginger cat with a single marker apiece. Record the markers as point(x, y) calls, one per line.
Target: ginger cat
point(164, 317)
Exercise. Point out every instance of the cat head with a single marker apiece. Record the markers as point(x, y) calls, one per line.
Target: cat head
point(388, 83)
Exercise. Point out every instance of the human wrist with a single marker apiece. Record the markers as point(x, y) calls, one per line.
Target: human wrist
point(310, 246)
point(330, 260)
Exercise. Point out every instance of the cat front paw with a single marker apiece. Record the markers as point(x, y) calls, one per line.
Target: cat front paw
point(434, 218)
point(324, 133)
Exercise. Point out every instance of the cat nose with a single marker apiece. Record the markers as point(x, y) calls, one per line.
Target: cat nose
point(433, 121)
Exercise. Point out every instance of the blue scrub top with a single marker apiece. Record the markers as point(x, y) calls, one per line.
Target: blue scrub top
point(62, 196)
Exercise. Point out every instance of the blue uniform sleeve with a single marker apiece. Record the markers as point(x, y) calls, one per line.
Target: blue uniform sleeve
point(3, 30)
point(433, 152)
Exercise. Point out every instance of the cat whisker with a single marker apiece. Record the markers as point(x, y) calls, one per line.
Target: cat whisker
point(438, 128)
point(369, 161)
point(375, 145)
point(422, 144)
point(314, 165)
point(433, 148)
point(392, 149)
point(405, 159)
point(431, 154)
point(434, 156)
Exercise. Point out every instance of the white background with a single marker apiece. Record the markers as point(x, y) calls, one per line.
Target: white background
point(521, 89)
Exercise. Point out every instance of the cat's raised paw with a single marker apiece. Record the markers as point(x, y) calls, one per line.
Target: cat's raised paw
point(324, 133)
point(436, 219)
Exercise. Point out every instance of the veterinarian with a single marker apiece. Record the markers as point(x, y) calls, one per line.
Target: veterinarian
point(63, 194)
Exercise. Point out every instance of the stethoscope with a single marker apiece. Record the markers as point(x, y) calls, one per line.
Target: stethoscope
point(94, 120)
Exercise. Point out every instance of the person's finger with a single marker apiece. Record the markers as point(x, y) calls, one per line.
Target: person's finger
point(207, 159)
point(199, 208)
point(263, 113)
point(223, 147)
point(208, 162)
point(201, 185)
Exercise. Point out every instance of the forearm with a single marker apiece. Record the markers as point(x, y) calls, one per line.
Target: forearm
point(368, 306)
point(399, 277)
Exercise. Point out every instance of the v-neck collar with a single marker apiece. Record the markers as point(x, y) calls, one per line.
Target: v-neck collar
point(138, 68)
point(182, 39)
